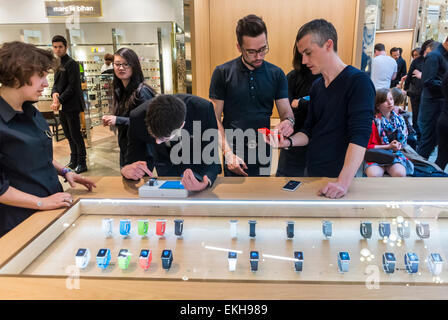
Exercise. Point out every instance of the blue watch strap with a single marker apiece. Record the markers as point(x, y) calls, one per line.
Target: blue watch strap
point(253, 265)
point(411, 266)
point(366, 230)
point(384, 229)
point(388, 266)
point(290, 229)
point(327, 228)
point(166, 262)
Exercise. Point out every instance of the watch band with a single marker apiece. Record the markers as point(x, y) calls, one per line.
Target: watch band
point(384, 229)
point(291, 120)
point(290, 229)
point(404, 230)
point(145, 262)
point(343, 266)
point(233, 229)
point(82, 262)
point(252, 224)
point(232, 264)
point(125, 227)
point(290, 143)
point(108, 227)
point(366, 229)
point(411, 266)
point(103, 262)
point(422, 230)
point(253, 265)
point(178, 227)
point(143, 227)
point(435, 267)
point(298, 263)
point(327, 229)
point(166, 263)
point(160, 227)
point(123, 262)
point(388, 266)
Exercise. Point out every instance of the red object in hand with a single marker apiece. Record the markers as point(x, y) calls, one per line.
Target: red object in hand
point(267, 132)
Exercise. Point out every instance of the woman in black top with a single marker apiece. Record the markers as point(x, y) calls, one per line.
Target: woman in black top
point(291, 163)
point(442, 129)
point(130, 91)
point(28, 174)
point(413, 84)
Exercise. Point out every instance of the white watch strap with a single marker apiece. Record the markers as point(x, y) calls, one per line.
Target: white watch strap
point(434, 268)
point(233, 228)
point(232, 264)
point(82, 262)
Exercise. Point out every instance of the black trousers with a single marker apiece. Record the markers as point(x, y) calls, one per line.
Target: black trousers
point(71, 125)
point(442, 131)
point(415, 102)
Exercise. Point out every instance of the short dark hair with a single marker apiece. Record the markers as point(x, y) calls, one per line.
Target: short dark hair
point(19, 61)
point(321, 31)
point(394, 49)
point(380, 47)
point(59, 38)
point(109, 57)
point(251, 26)
point(165, 114)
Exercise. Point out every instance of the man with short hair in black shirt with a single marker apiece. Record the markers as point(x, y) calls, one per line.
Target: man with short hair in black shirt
point(397, 53)
point(339, 121)
point(244, 89)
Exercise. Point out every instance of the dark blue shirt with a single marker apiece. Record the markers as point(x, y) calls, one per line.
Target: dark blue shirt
point(435, 67)
point(26, 159)
point(338, 115)
point(248, 95)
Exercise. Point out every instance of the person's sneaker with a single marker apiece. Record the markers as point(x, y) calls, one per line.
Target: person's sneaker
point(81, 168)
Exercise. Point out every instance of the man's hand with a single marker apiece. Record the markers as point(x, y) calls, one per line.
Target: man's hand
point(73, 178)
point(190, 182)
point(235, 163)
point(285, 128)
point(333, 190)
point(109, 120)
point(136, 170)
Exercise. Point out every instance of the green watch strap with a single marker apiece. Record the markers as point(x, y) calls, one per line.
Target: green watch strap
point(123, 262)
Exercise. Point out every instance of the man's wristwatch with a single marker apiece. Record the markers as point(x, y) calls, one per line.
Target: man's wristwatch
point(145, 258)
point(435, 263)
point(103, 258)
point(82, 258)
point(167, 259)
point(291, 120)
point(232, 258)
point(411, 262)
point(290, 229)
point(343, 261)
point(384, 229)
point(298, 260)
point(327, 229)
point(366, 229)
point(124, 258)
point(290, 143)
point(422, 229)
point(64, 171)
point(389, 261)
point(254, 258)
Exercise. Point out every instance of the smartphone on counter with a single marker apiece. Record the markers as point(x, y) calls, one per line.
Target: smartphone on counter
point(292, 185)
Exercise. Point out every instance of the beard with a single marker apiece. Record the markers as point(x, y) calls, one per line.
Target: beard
point(250, 64)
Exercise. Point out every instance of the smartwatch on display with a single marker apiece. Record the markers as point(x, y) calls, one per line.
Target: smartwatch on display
point(103, 258)
point(366, 229)
point(422, 229)
point(143, 227)
point(254, 258)
point(298, 263)
point(384, 229)
point(327, 228)
point(404, 230)
point(124, 258)
point(108, 227)
point(290, 229)
point(82, 258)
point(343, 261)
point(160, 227)
point(435, 263)
point(167, 259)
point(125, 227)
point(411, 262)
point(233, 228)
point(178, 227)
point(232, 258)
point(145, 258)
point(389, 261)
point(252, 224)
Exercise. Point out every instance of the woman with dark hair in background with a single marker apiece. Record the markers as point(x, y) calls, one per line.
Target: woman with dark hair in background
point(413, 84)
point(130, 91)
point(291, 162)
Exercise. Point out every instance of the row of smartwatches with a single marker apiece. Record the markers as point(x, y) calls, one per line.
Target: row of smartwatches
point(103, 258)
point(366, 228)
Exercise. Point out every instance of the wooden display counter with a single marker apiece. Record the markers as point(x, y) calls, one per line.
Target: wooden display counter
point(36, 258)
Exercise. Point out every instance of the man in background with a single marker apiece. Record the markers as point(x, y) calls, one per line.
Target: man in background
point(384, 68)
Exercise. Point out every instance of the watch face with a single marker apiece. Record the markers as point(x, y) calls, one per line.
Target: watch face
point(232, 255)
point(390, 256)
point(412, 257)
point(436, 257)
point(123, 253)
point(344, 256)
point(144, 253)
point(81, 252)
point(166, 253)
point(101, 253)
point(298, 255)
point(254, 255)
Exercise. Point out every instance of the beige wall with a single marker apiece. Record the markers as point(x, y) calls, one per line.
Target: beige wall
point(215, 40)
point(397, 38)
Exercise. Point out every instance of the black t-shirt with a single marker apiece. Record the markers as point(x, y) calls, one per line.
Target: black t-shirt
point(338, 115)
point(248, 95)
point(26, 159)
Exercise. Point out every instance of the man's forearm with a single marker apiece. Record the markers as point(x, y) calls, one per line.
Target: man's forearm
point(353, 159)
